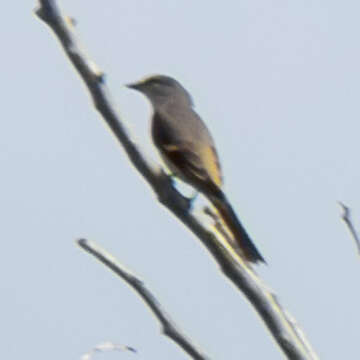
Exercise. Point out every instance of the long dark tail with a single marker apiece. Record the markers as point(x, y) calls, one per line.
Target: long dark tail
point(242, 238)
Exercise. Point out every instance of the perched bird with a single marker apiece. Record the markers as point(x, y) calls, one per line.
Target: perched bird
point(188, 149)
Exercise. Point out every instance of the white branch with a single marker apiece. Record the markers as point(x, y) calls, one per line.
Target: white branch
point(169, 327)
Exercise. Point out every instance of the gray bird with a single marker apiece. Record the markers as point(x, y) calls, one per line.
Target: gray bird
point(188, 149)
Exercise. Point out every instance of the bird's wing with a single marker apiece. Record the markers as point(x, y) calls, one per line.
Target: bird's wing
point(195, 159)
point(195, 168)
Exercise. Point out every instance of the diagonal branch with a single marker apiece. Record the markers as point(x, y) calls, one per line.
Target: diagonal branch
point(278, 321)
point(168, 325)
point(346, 216)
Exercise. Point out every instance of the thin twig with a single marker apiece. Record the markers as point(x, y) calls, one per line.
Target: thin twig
point(346, 216)
point(107, 346)
point(169, 327)
point(273, 315)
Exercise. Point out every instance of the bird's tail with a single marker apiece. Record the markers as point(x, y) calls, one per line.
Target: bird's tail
point(242, 238)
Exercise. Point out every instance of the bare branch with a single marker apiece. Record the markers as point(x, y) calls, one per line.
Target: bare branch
point(274, 316)
point(346, 216)
point(168, 326)
point(106, 346)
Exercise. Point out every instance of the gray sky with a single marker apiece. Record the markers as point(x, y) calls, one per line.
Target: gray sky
point(276, 81)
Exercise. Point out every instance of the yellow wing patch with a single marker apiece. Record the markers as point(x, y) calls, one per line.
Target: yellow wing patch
point(212, 165)
point(190, 165)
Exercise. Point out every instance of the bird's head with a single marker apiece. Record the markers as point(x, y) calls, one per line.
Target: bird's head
point(161, 89)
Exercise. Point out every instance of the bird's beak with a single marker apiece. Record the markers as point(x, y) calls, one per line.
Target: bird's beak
point(135, 86)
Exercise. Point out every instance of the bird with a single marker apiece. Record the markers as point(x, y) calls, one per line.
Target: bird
point(188, 150)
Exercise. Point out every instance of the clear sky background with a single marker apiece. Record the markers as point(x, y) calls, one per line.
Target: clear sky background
point(278, 84)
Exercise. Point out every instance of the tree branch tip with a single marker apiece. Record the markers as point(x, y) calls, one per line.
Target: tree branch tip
point(107, 346)
point(39, 12)
point(83, 243)
point(346, 211)
point(89, 246)
point(131, 349)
